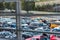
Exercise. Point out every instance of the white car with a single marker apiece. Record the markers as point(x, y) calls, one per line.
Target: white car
point(39, 29)
point(7, 10)
point(56, 29)
point(24, 24)
point(38, 24)
point(7, 34)
point(57, 21)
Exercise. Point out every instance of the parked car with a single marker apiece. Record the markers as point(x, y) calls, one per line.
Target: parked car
point(38, 24)
point(37, 37)
point(27, 34)
point(25, 27)
point(47, 30)
point(7, 34)
point(34, 38)
point(39, 29)
point(56, 29)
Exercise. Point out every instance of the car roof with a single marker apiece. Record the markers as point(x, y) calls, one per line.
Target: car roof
point(36, 37)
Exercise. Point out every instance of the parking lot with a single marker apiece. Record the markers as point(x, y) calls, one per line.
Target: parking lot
point(37, 23)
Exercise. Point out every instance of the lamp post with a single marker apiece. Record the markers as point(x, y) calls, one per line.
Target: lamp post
point(18, 11)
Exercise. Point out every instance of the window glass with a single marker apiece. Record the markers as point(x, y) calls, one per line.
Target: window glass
point(7, 27)
point(40, 6)
point(41, 24)
point(8, 21)
point(7, 6)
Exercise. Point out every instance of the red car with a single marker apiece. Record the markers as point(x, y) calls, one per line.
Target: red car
point(53, 37)
point(34, 37)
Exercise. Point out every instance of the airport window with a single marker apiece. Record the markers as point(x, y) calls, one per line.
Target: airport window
point(29, 20)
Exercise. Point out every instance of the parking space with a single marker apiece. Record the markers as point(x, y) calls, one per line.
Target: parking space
point(3, 39)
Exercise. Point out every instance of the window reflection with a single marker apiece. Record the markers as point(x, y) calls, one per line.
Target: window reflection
point(7, 6)
point(40, 6)
point(41, 22)
point(5, 22)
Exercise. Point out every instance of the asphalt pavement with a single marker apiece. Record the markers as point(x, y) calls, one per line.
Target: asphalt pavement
point(6, 39)
point(3, 39)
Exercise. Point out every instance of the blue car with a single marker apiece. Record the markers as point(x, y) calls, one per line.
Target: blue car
point(57, 29)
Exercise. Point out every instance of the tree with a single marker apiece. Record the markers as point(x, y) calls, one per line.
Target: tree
point(27, 5)
point(10, 5)
point(13, 5)
point(1, 6)
point(7, 5)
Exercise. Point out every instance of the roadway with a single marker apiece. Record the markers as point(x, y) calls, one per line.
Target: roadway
point(7, 39)
point(3, 39)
